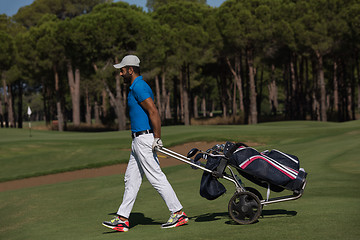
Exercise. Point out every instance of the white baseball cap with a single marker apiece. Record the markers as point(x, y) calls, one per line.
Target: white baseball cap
point(129, 60)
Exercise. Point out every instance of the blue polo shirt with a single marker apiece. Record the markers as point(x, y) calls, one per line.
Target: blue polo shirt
point(139, 91)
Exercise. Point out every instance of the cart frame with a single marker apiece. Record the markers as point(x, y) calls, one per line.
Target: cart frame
point(253, 199)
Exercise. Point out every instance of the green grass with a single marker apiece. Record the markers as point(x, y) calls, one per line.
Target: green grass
point(47, 152)
point(329, 208)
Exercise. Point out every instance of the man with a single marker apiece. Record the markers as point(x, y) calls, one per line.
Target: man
point(146, 135)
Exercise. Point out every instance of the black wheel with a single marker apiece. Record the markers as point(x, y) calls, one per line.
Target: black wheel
point(244, 207)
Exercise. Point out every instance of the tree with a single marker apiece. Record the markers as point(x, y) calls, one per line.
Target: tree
point(188, 43)
point(7, 58)
point(153, 5)
point(34, 15)
point(50, 57)
point(232, 29)
point(30, 15)
point(245, 26)
point(351, 39)
point(307, 52)
point(318, 21)
point(99, 48)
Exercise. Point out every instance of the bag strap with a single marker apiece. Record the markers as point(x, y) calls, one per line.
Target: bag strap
point(219, 172)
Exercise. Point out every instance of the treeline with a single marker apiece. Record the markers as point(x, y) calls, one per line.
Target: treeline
point(249, 60)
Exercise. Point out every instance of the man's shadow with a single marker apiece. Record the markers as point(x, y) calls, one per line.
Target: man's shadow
point(136, 219)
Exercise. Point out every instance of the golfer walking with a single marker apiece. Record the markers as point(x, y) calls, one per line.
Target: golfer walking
point(146, 138)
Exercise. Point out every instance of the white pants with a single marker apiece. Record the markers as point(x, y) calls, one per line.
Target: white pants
point(144, 161)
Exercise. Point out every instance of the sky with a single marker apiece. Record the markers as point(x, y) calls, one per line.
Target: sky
point(10, 7)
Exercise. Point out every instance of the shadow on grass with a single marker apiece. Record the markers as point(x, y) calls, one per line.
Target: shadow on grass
point(140, 219)
point(209, 217)
point(136, 219)
point(276, 213)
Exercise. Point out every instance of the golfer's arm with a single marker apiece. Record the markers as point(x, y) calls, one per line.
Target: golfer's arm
point(149, 105)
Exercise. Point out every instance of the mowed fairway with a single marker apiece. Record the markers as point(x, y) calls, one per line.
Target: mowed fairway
point(329, 209)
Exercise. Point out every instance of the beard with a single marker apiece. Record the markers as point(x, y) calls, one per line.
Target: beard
point(127, 78)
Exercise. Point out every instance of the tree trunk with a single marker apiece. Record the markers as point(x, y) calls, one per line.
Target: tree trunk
point(211, 114)
point(164, 101)
point(273, 94)
point(120, 105)
point(321, 79)
point(12, 120)
point(97, 112)
point(196, 111)
point(186, 96)
point(253, 111)
point(316, 107)
point(352, 92)
point(358, 79)
point(176, 98)
point(20, 103)
point(301, 88)
point(342, 114)
point(6, 101)
point(88, 106)
point(74, 84)
point(336, 89)
point(293, 90)
point(358, 86)
point(167, 107)
point(181, 91)
point(60, 116)
point(222, 85)
point(46, 103)
point(228, 96)
point(260, 91)
point(307, 91)
point(104, 103)
point(349, 100)
point(158, 97)
point(315, 113)
point(1, 114)
point(236, 72)
point(117, 102)
point(203, 104)
point(234, 105)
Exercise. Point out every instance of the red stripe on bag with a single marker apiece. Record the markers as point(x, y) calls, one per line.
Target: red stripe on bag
point(259, 157)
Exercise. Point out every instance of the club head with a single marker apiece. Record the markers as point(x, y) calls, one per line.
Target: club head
point(198, 157)
point(192, 152)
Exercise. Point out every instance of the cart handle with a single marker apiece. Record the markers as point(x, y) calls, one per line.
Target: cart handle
point(184, 159)
point(180, 157)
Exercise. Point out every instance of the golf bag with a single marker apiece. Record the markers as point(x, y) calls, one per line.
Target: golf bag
point(270, 169)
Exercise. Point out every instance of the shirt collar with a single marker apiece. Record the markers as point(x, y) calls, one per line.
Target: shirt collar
point(135, 81)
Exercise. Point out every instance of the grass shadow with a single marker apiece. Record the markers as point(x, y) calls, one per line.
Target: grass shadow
point(275, 213)
point(209, 217)
point(140, 219)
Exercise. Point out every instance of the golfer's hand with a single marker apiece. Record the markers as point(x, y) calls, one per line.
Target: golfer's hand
point(157, 144)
